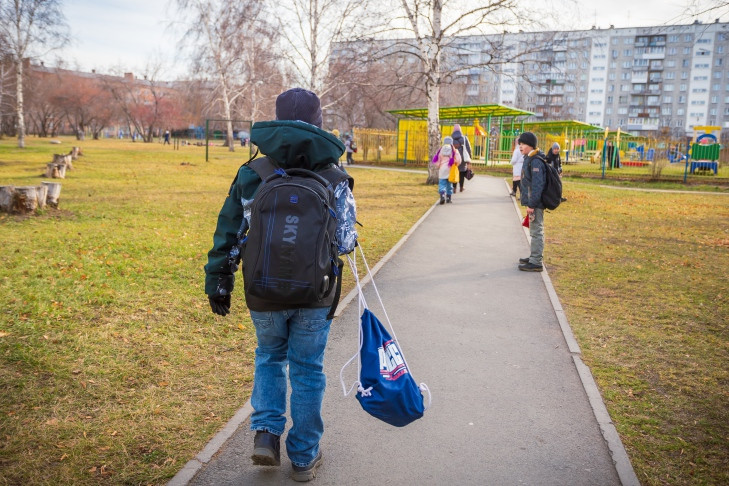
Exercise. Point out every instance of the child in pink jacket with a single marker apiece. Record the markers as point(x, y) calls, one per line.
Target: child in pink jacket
point(444, 160)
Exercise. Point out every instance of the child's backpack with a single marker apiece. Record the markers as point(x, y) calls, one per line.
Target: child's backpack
point(552, 192)
point(291, 256)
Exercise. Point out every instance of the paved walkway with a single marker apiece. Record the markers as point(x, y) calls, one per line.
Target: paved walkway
point(512, 401)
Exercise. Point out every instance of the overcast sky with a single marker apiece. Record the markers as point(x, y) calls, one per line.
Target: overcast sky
point(128, 34)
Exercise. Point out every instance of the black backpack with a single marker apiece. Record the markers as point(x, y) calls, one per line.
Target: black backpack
point(552, 192)
point(290, 256)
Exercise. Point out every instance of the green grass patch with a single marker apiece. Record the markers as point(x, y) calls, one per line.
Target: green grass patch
point(642, 276)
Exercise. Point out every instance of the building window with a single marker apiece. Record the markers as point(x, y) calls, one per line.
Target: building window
point(667, 99)
point(688, 38)
point(687, 50)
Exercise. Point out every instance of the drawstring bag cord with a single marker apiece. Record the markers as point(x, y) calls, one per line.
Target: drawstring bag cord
point(362, 304)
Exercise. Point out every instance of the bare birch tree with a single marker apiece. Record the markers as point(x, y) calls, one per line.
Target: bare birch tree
point(25, 27)
point(311, 29)
point(431, 27)
point(220, 32)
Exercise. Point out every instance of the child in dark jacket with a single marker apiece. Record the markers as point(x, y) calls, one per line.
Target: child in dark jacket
point(533, 177)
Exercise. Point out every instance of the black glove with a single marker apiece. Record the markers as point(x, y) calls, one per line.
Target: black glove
point(220, 304)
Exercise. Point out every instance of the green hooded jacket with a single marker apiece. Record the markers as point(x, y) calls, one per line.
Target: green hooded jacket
point(292, 144)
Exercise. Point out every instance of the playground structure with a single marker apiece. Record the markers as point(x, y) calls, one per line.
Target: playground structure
point(494, 143)
point(705, 148)
point(487, 145)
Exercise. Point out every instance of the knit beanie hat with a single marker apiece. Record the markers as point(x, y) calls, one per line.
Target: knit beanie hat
point(555, 145)
point(446, 150)
point(299, 104)
point(447, 141)
point(528, 138)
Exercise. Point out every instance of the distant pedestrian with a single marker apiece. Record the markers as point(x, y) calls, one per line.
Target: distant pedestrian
point(517, 161)
point(167, 138)
point(555, 161)
point(533, 176)
point(350, 147)
point(446, 157)
point(463, 145)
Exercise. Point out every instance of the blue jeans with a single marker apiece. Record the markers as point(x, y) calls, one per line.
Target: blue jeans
point(536, 231)
point(445, 187)
point(296, 337)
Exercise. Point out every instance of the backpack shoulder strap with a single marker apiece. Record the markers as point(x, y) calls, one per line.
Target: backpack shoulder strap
point(263, 166)
point(335, 176)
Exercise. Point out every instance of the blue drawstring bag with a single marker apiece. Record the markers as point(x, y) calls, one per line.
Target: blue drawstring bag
point(386, 389)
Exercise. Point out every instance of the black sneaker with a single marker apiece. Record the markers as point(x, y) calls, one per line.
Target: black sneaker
point(530, 267)
point(442, 199)
point(448, 199)
point(266, 449)
point(524, 260)
point(307, 473)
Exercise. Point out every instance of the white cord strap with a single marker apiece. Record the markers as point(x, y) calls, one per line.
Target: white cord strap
point(362, 304)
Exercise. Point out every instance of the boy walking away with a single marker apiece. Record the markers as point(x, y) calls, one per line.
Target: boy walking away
point(291, 332)
point(445, 159)
point(533, 177)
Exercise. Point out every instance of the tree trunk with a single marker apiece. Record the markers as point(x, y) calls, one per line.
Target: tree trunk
point(63, 159)
point(41, 195)
point(432, 91)
point(25, 199)
point(6, 198)
point(56, 171)
point(19, 102)
point(53, 193)
point(75, 153)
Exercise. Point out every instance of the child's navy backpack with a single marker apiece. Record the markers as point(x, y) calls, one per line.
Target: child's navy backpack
point(290, 256)
point(386, 389)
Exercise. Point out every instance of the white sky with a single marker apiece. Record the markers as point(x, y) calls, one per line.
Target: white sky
point(129, 34)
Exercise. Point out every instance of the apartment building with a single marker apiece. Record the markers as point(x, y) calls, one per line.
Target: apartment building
point(644, 79)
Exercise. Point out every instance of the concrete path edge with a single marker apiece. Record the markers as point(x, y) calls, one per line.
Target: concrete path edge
point(619, 455)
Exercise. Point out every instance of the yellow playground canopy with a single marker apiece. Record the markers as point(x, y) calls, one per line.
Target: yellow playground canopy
point(412, 126)
point(463, 112)
point(561, 126)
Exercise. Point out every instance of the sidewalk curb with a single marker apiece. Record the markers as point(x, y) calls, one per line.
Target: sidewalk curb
point(615, 445)
point(190, 470)
point(185, 475)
